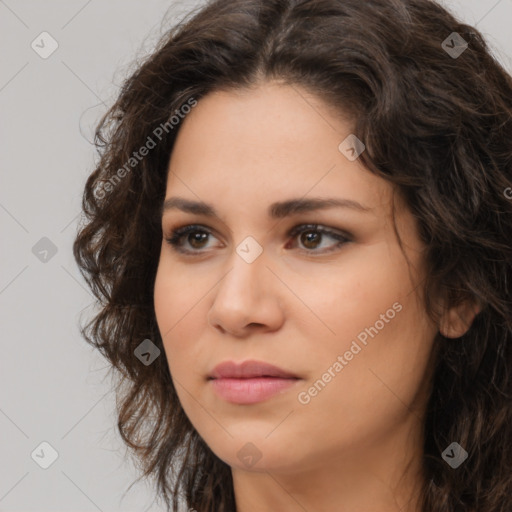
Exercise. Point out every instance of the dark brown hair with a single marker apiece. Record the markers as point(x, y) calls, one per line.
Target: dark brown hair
point(437, 125)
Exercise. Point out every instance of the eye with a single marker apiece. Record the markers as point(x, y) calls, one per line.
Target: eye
point(311, 237)
point(200, 235)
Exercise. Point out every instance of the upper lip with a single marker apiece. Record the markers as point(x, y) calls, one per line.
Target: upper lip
point(248, 370)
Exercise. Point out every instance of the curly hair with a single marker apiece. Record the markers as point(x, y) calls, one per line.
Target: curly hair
point(435, 123)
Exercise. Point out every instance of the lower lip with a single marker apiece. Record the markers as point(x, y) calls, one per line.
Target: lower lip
point(250, 391)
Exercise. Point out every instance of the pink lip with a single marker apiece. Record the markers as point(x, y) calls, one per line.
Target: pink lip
point(249, 382)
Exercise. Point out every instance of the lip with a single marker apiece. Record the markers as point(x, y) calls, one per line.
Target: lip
point(248, 370)
point(249, 382)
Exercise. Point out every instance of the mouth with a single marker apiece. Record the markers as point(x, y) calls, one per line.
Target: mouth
point(250, 382)
point(249, 370)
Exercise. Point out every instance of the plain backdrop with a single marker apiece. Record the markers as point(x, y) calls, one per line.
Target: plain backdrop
point(53, 388)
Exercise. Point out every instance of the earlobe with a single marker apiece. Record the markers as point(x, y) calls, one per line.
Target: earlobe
point(458, 319)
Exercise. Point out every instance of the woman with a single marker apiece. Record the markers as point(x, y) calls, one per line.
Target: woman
point(299, 233)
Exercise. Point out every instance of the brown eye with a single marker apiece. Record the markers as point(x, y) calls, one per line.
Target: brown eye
point(312, 236)
point(309, 239)
point(197, 238)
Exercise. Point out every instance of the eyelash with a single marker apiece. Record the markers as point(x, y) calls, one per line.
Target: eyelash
point(177, 234)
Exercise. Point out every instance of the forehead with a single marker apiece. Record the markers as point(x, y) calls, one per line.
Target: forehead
point(263, 144)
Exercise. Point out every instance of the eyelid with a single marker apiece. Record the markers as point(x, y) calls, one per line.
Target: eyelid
point(292, 231)
point(322, 228)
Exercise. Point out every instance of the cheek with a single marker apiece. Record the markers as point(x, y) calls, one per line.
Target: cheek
point(182, 334)
point(176, 311)
point(181, 313)
point(375, 390)
point(352, 296)
point(380, 329)
point(176, 296)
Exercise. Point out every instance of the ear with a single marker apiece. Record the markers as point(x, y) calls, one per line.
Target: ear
point(458, 319)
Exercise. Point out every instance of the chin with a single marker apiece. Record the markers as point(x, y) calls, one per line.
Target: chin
point(254, 450)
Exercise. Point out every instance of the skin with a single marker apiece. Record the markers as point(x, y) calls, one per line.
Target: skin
point(297, 307)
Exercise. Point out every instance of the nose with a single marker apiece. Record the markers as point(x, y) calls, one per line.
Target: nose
point(247, 298)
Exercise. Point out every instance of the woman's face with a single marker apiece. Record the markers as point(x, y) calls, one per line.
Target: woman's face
point(336, 307)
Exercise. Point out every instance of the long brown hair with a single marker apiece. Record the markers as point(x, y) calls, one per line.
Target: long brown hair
point(436, 119)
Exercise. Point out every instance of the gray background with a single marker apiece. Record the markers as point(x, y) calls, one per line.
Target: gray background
point(53, 385)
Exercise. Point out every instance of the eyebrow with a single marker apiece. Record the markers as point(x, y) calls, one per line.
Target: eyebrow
point(276, 210)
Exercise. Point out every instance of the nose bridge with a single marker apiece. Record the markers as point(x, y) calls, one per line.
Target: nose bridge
point(247, 269)
point(245, 295)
